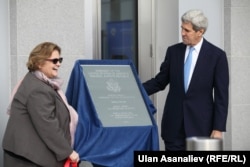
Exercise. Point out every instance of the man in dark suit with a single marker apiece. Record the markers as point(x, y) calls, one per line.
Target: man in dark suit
point(200, 109)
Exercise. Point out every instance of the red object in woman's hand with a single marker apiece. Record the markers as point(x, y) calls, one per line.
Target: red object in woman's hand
point(68, 163)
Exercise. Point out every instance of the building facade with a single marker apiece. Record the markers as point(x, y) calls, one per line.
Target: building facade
point(74, 25)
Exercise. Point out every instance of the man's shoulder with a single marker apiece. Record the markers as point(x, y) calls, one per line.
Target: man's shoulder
point(180, 44)
point(212, 46)
point(177, 46)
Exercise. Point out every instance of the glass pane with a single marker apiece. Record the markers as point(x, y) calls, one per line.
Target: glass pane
point(119, 29)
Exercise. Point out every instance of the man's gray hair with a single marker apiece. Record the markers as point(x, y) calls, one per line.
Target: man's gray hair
point(196, 18)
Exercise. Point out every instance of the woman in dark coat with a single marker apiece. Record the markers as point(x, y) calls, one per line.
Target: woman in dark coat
point(41, 125)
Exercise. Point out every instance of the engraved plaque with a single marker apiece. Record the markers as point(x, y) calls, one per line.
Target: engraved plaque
point(116, 95)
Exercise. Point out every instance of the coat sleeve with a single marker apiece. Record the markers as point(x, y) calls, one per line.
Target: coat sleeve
point(161, 80)
point(221, 86)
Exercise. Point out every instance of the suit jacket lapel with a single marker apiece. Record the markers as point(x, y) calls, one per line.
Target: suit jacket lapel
point(201, 62)
point(181, 63)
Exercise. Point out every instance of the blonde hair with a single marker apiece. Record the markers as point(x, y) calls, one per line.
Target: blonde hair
point(40, 53)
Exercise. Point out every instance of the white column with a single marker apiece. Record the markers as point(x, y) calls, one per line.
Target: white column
point(4, 67)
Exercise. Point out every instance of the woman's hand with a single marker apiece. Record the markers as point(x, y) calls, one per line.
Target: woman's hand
point(74, 157)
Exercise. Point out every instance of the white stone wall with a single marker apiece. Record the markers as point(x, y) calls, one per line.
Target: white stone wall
point(36, 21)
point(237, 13)
point(4, 69)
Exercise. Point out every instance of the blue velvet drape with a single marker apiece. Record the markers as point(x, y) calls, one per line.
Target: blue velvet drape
point(107, 146)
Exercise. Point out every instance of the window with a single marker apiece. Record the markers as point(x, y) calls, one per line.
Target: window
point(119, 30)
